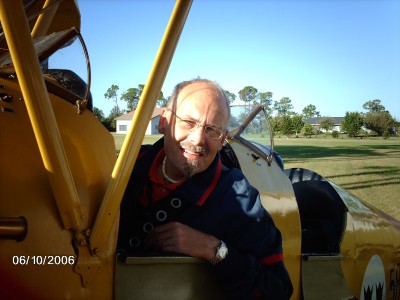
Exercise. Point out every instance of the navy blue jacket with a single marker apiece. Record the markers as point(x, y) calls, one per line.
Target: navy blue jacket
point(222, 203)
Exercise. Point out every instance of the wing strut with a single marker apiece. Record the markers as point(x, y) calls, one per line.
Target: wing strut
point(40, 111)
point(130, 149)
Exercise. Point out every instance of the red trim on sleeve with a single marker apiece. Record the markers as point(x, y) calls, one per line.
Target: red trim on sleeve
point(256, 293)
point(212, 185)
point(272, 259)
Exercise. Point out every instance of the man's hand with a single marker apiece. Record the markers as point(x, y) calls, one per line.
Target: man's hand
point(179, 238)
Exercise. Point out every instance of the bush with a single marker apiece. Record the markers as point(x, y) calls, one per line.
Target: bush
point(352, 123)
point(335, 134)
point(386, 134)
point(308, 130)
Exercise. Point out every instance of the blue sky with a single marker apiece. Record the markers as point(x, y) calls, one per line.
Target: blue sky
point(334, 54)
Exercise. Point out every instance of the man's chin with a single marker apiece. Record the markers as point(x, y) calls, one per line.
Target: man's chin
point(191, 168)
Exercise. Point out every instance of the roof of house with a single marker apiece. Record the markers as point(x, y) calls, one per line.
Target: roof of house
point(129, 115)
point(317, 120)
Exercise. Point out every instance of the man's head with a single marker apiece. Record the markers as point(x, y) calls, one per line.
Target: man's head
point(194, 126)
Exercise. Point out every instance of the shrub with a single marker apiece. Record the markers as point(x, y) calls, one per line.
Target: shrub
point(386, 134)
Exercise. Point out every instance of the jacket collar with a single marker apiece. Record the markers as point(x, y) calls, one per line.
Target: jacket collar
point(196, 189)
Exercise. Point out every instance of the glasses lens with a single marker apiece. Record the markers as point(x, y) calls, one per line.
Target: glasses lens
point(187, 124)
point(190, 125)
point(212, 132)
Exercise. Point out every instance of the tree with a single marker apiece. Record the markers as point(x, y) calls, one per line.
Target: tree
point(231, 96)
point(327, 124)
point(275, 124)
point(112, 94)
point(297, 123)
point(162, 101)
point(310, 111)
point(114, 113)
point(98, 113)
point(266, 101)
point(352, 123)
point(166, 101)
point(379, 121)
point(374, 106)
point(131, 96)
point(248, 94)
point(284, 107)
point(286, 126)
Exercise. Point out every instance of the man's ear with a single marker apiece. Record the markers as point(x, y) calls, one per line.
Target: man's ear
point(162, 123)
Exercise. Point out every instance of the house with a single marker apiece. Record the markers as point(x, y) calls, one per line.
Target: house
point(123, 122)
point(315, 122)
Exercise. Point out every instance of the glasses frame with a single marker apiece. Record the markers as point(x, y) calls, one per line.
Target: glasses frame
point(198, 125)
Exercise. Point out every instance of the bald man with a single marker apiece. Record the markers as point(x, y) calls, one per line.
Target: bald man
point(182, 199)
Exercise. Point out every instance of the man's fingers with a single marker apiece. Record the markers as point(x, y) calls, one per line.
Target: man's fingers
point(171, 226)
point(179, 238)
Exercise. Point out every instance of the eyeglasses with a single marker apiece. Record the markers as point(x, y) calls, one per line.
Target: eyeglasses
point(189, 125)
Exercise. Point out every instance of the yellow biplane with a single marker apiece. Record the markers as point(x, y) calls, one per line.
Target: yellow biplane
point(61, 184)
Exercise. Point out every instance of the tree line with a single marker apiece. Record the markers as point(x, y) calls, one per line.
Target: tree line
point(283, 118)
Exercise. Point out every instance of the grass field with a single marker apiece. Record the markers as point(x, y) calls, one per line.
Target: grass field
point(367, 168)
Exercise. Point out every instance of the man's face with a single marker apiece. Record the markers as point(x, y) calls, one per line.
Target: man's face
point(191, 152)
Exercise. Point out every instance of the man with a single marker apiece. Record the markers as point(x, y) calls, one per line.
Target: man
point(182, 199)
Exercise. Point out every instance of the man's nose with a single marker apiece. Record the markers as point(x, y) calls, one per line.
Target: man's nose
point(198, 135)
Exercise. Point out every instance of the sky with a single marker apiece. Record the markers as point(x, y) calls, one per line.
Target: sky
point(334, 54)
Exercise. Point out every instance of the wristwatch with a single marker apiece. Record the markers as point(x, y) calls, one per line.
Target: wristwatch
point(222, 252)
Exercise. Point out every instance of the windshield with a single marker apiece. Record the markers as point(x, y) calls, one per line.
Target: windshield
point(249, 123)
point(64, 61)
point(71, 56)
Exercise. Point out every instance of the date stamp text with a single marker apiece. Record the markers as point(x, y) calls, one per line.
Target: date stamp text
point(42, 260)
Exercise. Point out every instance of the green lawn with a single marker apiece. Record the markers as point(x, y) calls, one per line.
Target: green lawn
point(367, 168)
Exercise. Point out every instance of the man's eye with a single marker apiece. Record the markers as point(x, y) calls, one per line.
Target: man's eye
point(213, 132)
point(189, 123)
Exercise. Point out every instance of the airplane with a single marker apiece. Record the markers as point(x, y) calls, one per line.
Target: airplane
point(62, 183)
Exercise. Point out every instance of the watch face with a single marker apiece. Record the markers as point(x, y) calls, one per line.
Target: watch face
point(222, 251)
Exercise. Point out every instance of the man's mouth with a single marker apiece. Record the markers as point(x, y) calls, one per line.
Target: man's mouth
point(193, 152)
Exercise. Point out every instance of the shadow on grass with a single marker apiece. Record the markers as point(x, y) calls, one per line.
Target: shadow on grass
point(384, 176)
point(369, 177)
point(296, 152)
point(380, 171)
point(371, 183)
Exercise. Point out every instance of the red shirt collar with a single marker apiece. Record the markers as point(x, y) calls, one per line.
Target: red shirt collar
point(161, 188)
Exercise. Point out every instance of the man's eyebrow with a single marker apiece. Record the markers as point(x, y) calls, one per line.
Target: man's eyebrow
point(189, 118)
